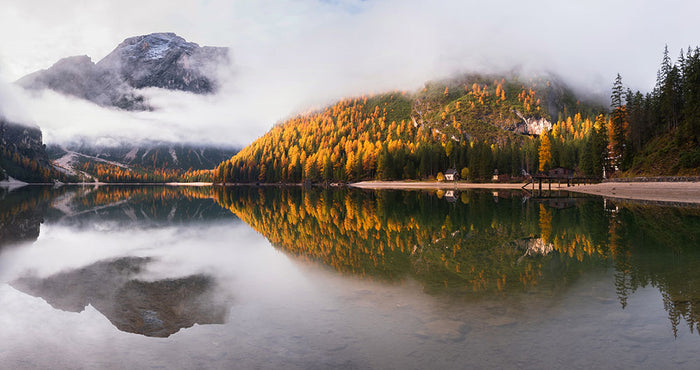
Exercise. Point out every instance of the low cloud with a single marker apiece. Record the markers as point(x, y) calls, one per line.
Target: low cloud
point(290, 56)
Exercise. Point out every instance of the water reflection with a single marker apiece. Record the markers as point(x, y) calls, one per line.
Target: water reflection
point(154, 260)
point(21, 213)
point(115, 286)
point(152, 308)
point(485, 245)
point(479, 246)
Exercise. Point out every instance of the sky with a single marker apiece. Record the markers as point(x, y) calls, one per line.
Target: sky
point(291, 56)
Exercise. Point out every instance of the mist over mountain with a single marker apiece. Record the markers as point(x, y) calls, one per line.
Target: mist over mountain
point(162, 60)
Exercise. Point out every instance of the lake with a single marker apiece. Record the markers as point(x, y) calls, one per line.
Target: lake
point(295, 278)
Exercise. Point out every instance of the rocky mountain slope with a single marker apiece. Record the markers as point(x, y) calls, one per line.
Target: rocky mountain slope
point(167, 61)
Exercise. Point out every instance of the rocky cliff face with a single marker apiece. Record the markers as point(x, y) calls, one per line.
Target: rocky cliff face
point(22, 138)
point(78, 76)
point(531, 125)
point(162, 60)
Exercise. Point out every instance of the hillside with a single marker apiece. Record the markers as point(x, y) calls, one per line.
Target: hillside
point(23, 154)
point(473, 122)
point(157, 161)
point(480, 126)
point(658, 133)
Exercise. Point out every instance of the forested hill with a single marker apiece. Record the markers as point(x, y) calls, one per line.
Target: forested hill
point(658, 133)
point(483, 125)
point(474, 123)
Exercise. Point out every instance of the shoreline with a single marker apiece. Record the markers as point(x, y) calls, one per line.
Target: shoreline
point(687, 192)
point(671, 192)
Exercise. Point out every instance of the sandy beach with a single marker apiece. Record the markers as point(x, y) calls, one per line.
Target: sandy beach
point(676, 192)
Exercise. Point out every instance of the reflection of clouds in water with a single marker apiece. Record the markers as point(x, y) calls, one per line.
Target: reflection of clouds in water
point(59, 248)
point(226, 260)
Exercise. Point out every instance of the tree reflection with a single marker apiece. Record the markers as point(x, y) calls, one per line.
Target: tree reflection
point(21, 213)
point(474, 246)
point(484, 244)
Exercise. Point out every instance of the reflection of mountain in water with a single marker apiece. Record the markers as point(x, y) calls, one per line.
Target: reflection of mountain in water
point(138, 206)
point(478, 243)
point(23, 210)
point(155, 309)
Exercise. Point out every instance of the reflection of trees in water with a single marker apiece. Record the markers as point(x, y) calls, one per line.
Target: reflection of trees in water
point(480, 245)
point(22, 212)
point(152, 308)
point(659, 246)
point(135, 204)
point(474, 245)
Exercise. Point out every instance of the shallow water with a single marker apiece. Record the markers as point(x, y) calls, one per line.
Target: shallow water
point(151, 277)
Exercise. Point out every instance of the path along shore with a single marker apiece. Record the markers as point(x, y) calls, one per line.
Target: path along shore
point(677, 192)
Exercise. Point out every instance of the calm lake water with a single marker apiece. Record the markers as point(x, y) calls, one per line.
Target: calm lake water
point(247, 277)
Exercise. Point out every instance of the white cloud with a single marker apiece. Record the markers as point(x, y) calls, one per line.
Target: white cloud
point(292, 55)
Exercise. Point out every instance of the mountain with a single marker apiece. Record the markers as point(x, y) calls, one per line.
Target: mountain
point(475, 123)
point(167, 61)
point(162, 60)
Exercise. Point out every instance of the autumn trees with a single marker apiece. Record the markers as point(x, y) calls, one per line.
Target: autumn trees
point(112, 173)
point(468, 123)
point(460, 123)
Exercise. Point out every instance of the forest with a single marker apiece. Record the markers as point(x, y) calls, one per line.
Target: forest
point(470, 124)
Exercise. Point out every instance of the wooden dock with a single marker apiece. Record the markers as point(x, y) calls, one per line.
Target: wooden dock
point(559, 180)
